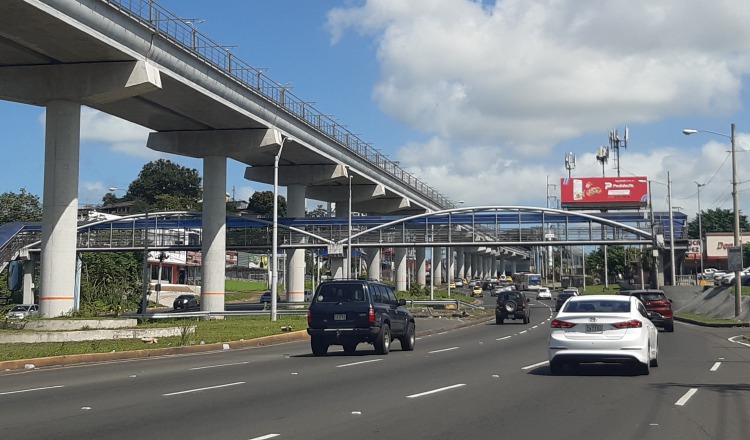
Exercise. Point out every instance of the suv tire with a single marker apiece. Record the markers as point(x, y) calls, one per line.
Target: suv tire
point(669, 327)
point(409, 339)
point(319, 346)
point(498, 320)
point(383, 341)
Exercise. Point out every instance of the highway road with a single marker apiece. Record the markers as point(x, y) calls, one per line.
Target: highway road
point(485, 381)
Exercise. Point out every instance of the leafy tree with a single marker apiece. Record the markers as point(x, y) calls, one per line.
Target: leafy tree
point(20, 207)
point(716, 220)
point(320, 211)
point(619, 261)
point(162, 184)
point(110, 282)
point(262, 203)
point(109, 199)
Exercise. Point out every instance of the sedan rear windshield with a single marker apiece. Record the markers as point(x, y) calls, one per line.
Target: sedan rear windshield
point(338, 293)
point(597, 306)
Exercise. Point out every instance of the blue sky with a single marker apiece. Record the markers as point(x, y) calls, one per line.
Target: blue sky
point(482, 100)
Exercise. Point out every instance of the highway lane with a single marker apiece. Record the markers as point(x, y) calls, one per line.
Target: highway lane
point(484, 381)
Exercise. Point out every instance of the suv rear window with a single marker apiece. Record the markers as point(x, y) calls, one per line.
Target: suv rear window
point(652, 296)
point(340, 293)
point(510, 297)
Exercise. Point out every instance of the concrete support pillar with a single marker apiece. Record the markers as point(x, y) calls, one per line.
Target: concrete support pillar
point(373, 264)
point(450, 265)
point(474, 265)
point(295, 207)
point(460, 267)
point(214, 246)
point(337, 267)
point(502, 267)
point(438, 269)
point(488, 267)
point(60, 208)
point(513, 267)
point(421, 264)
point(400, 264)
point(28, 279)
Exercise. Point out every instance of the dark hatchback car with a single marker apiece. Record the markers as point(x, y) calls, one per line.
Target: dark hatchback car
point(349, 312)
point(266, 298)
point(658, 306)
point(185, 302)
point(561, 298)
point(512, 305)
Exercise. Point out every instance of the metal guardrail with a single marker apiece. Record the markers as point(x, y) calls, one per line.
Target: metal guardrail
point(183, 33)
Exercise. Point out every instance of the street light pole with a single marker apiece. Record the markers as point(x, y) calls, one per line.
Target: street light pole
point(735, 208)
point(275, 241)
point(349, 240)
point(671, 232)
point(700, 225)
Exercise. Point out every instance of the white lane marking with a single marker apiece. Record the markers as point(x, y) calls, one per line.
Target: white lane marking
point(535, 326)
point(358, 363)
point(733, 339)
point(444, 349)
point(204, 389)
point(529, 367)
point(219, 365)
point(436, 390)
point(523, 332)
point(267, 436)
point(683, 400)
point(504, 337)
point(715, 367)
point(31, 389)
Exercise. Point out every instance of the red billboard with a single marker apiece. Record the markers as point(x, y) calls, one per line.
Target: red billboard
point(604, 192)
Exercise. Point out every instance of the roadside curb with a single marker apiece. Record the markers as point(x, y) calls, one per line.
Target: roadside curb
point(712, 324)
point(73, 359)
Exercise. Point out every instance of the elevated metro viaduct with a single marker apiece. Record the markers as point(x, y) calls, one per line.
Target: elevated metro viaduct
point(477, 242)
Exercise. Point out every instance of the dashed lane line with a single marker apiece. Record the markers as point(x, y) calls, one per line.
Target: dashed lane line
point(436, 390)
point(683, 400)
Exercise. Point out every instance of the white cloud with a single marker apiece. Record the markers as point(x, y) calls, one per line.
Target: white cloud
point(120, 135)
point(498, 87)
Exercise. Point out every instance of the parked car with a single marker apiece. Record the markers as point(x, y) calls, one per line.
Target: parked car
point(562, 297)
point(350, 312)
point(512, 305)
point(603, 329)
point(658, 304)
point(308, 295)
point(185, 302)
point(23, 311)
point(543, 293)
point(266, 298)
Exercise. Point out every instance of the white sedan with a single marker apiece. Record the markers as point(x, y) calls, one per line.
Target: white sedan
point(543, 293)
point(603, 329)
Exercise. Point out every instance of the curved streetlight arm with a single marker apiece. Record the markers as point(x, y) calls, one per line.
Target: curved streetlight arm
point(689, 131)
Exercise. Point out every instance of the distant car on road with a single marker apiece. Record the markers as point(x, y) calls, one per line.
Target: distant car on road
point(185, 302)
point(658, 306)
point(476, 290)
point(23, 311)
point(543, 293)
point(266, 298)
point(562, 297)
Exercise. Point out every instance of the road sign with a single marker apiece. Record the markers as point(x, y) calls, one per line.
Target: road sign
point(734, 258)
point(336, 250)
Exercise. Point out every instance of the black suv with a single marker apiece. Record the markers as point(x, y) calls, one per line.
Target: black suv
point(347, 312)
point(512, 305)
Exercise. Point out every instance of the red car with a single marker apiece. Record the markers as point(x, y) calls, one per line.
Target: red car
point(656, 301)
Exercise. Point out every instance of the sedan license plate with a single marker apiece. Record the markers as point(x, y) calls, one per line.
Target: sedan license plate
point(339, 317)
point(594, 328)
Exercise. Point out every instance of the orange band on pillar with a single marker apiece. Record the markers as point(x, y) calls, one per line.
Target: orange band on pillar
point(56, 298)
point(296, 292)
point(212, 293)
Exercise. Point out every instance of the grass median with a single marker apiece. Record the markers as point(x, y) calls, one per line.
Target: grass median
point(233, 328)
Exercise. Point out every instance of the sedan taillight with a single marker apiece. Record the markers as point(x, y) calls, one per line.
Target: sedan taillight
point(556, 323)
point(633, 323)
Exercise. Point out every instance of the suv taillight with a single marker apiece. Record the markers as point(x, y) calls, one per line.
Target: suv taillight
point(556, 323)
point(309, 318)
point(633, 323)
point(371, 315)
